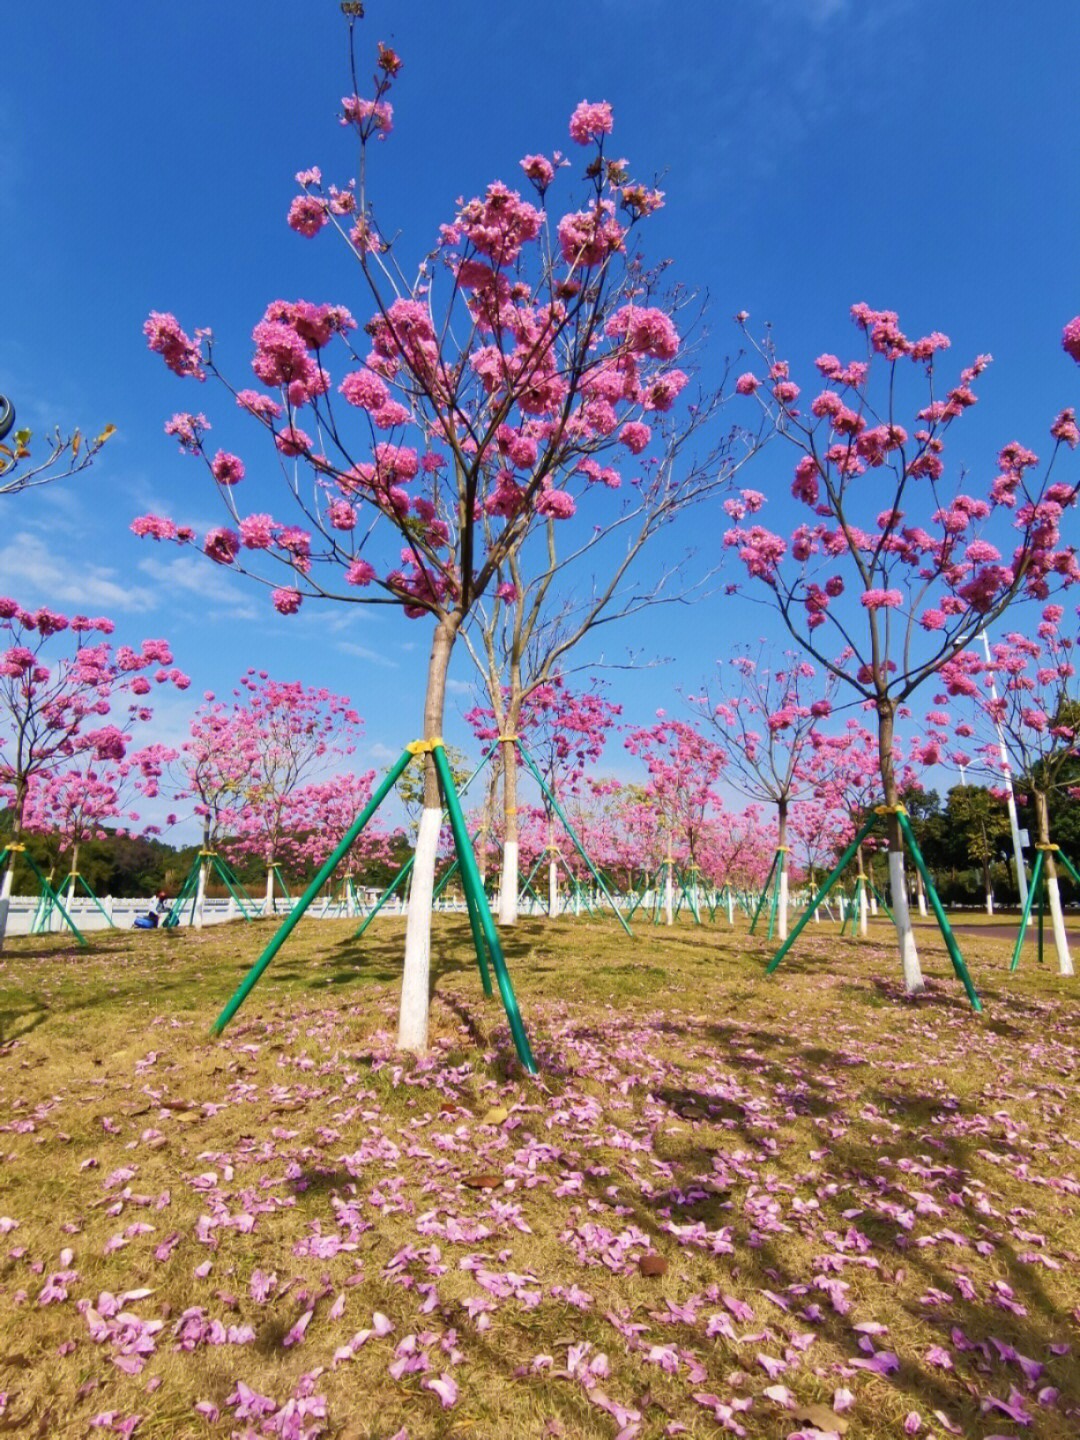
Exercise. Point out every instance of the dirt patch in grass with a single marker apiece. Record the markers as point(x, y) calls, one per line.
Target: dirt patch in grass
point(863, 1201)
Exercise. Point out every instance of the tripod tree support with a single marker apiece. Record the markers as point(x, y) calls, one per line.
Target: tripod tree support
point(48, 894)
point(483, 926)
point(573, 835)
point(406, 869)
point(939, 914)
point(1037, 875)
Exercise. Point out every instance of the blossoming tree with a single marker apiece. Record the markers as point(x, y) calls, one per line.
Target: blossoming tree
point(565, 732)
point(294, 731)
point(1025, 700)
point(60, 678)
point(766, 716)
point(902, 568)
point(512, 381)
point(683, 767)
point(85, 800)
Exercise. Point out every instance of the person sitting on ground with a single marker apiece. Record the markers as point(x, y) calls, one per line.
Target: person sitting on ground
point(153, 917)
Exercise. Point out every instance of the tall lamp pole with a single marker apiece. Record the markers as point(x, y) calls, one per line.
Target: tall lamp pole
point(1010, 798)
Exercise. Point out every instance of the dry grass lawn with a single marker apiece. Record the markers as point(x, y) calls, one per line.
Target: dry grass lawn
point(865, 1208)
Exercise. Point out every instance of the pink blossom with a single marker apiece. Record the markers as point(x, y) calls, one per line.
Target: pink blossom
point(158, 527)
point(227, 469)
point(1065, 428)
point(558, 504)
point(1070, 339)
point(360, 572)
point(592, 121)
point(877, 599)
point(747, 384)
point(222, 545)
point(635, 435)
point(539, 169)
point(307, 214)
point(165, 337)
point(257, 531)
point(369, 116)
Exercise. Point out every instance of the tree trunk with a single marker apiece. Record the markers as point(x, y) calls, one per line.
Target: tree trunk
point(1053, 891)
point(268, 903)
point(669, 890)
point(782, 869)
point(863, 888)
point(905, 934)
point(508, 887)
point(18, 807)
point(553, 870)
point(200, 889)
point(988, 888)
point(413, 1014)
point(920, 891)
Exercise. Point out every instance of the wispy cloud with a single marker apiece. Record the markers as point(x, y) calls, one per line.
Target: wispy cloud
point(191, 575)
point(36, 571)
point(363, 652)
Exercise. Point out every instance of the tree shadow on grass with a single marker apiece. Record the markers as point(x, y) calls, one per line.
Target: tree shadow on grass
point(984, 1326)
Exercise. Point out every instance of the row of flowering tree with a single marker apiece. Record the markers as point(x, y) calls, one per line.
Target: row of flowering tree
point(767, 716)
point(522, 380)
point(1019, 712)
point(564, 731)
point(70, 702)
point(892, 563)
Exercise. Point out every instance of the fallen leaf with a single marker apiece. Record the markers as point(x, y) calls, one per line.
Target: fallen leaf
point(821, 1418)
point(652, 1265)
point(483, 1182)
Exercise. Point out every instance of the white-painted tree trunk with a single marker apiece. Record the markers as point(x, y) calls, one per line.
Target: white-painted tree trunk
point(864, 918)
point(730, 908)
point(553, 887)
point(508, 887)
point(5, 899)
point(1061, 940)
point(669, 895)
point(268, 903)
point(920, 891)
point(782, 902)
point(905, 934)
point(200, 897)
point(873, 897)
point(413, 1016)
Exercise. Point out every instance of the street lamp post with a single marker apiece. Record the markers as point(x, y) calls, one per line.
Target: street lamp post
point(1010, 798)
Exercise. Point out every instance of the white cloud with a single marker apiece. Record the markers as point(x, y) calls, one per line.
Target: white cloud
point(37, 572)
point(362, 652)
point(197, 576)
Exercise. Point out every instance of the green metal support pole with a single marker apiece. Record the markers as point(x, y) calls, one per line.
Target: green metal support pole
point(385, 896)
point(471, 876)
point(223, 875)
point(96, 901)
point(939, 913)
point(804, 919)
point(573, 836)
point(407, 867)
point(177, 909)
point(327, 868)
point(477, 928)
point(764, 891)
point(1069, 866)
point(54, 899)
point(1036, 871)
point(851, 910)
point(881, 900)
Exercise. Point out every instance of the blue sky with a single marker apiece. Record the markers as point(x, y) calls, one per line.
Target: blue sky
point(915, 155)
